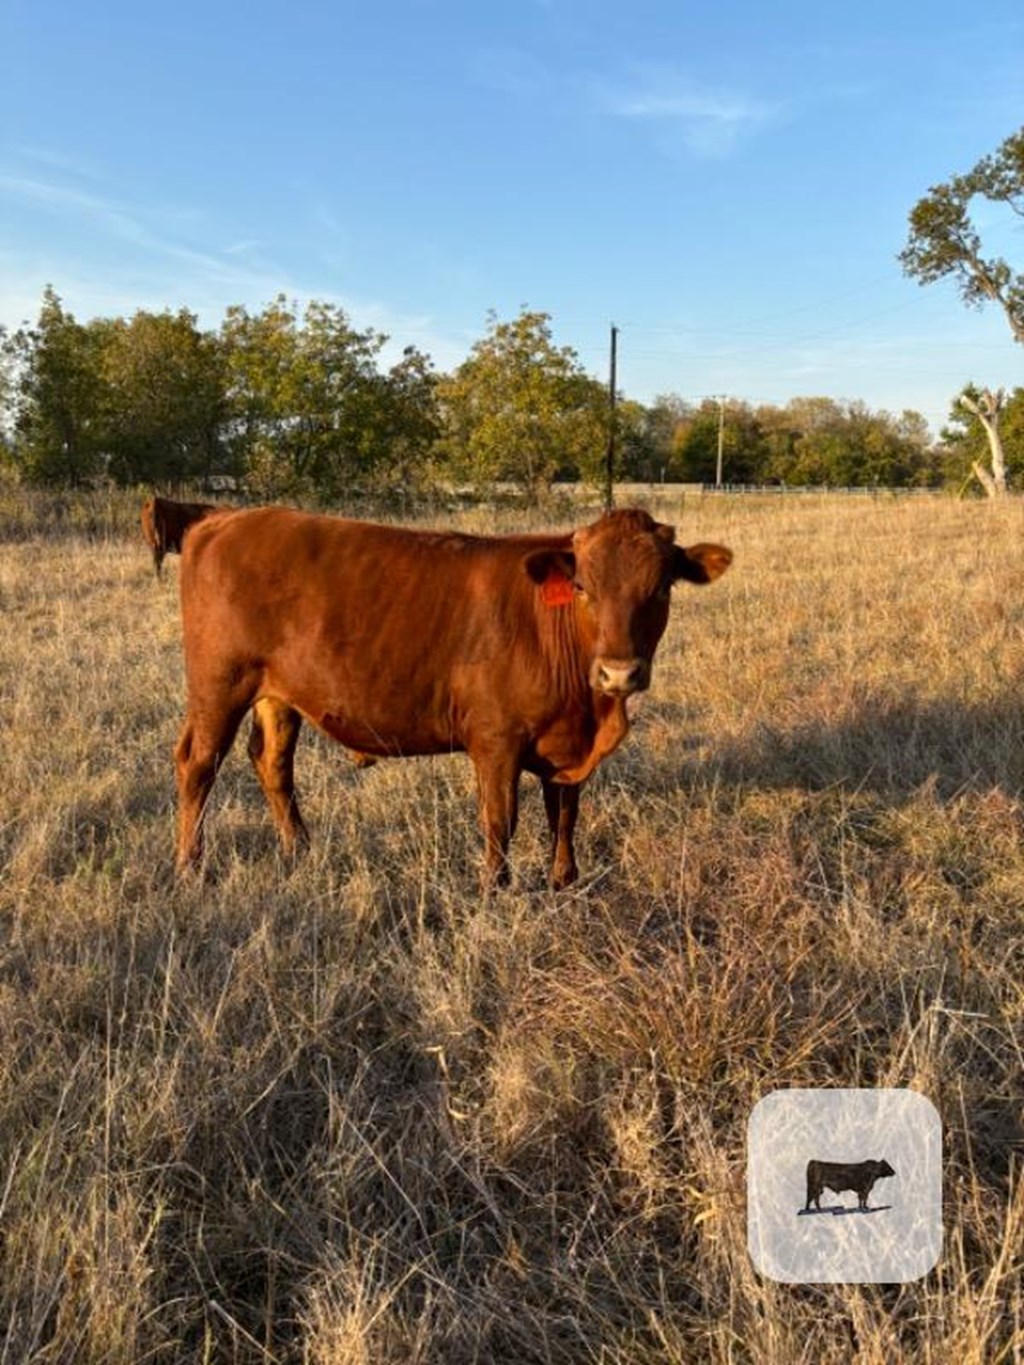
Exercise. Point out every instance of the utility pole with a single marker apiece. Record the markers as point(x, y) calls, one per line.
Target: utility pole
point(609, 496)
point(721, 441)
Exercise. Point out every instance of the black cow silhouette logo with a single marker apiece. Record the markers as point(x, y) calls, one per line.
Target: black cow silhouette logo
point(858, 1176)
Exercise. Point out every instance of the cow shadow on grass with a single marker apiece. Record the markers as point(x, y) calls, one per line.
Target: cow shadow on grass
point(890, 749)
point(840, 1210)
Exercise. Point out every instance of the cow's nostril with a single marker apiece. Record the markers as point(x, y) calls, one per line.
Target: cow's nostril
point(620, 679)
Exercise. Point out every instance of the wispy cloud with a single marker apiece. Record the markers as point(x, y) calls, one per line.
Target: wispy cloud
point(59, 161)
point(111, 218)
point(243, 248)
point(151, 269)
point(709, 122)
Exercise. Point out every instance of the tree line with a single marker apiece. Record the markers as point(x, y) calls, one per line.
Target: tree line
point(300, 404)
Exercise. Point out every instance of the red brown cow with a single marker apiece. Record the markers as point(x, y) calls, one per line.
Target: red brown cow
point(164, 523)
point(518, 650)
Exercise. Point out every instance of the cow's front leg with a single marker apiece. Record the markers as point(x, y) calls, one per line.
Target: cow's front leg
point(497, 775)
point(561, 804)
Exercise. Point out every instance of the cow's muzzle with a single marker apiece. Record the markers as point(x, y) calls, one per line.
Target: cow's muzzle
point(620, 677)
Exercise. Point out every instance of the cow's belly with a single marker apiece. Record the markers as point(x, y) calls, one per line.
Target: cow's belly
point(388, 711)
point(385, 737)
point(374, 712)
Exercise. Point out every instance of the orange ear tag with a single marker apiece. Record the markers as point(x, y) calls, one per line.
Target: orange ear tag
point(556, 590)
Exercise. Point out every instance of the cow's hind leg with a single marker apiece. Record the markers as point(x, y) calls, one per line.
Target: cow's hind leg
point(204, 743)
point(498, 783)
point(275, 732)
point(562, 804)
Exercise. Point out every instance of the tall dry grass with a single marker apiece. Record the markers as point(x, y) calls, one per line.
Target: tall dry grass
point(354, 1113)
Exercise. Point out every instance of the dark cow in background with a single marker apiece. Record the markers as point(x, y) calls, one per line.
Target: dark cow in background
point(164, 523)
point(518, 650)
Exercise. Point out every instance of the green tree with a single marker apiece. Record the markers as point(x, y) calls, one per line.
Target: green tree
point(922, 454)
point(402, 423)
point(654, 439)
point(636, 443)
point(300, 396)
point(666, 422)
point(521, 409)
point(820, 441)
point(55, 411)
point(882, 450)
point(729, 422)
point(163, 399)
point(944, 240)
point(781, 433)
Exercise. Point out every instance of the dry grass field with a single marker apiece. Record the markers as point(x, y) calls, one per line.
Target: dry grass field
point(354, 1113)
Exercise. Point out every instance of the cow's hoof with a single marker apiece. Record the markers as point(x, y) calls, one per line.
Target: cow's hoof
point(563, 877)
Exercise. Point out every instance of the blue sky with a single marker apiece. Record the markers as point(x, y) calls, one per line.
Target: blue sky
point(729, 183)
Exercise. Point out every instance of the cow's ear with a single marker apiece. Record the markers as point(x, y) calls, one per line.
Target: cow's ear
point(543, 565)
point(700, 563)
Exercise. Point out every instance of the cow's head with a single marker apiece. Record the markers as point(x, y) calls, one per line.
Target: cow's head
point(621, 570)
